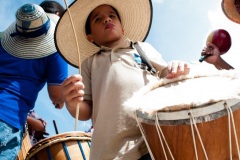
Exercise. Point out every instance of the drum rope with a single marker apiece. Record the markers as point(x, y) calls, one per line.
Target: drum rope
point(193, 123)
point(229, 110)
point(229, 133)
point(160, 138)
point(160, 130)
point(82, 150)
point(234, 129)
point(194, 143)
point(144, 136)
point(66, 150)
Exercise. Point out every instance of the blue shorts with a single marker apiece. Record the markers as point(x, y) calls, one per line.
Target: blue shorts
point(10, 141)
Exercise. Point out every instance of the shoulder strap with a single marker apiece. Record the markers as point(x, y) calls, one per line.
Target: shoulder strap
point(151, 69)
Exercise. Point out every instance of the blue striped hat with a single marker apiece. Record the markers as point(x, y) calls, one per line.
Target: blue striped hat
point(31, 35)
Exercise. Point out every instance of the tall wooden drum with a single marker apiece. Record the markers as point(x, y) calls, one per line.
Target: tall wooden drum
point(26, 145)
point(190, 118)
point(208, 132)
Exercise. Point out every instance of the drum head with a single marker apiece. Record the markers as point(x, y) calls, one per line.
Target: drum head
point(184, 93)
point(53, 142)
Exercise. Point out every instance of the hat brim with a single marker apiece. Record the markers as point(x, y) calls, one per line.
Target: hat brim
point(230, 10)
point(54, 18)
point(29, 48)
point(135, 15)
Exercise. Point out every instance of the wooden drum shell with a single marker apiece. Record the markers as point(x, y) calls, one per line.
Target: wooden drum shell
point(214, 135)
point(71, 145)
point(26, 145)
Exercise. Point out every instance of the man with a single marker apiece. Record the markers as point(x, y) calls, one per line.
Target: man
point(28, 61)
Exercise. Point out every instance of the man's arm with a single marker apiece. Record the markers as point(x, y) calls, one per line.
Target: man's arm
point(56, 95)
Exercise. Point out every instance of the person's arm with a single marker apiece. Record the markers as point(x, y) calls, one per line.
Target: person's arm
point(214, 57)
point(56, 96)
point(171, 70)
point(72, 91)
point(56, 73)
point(36, 124)
point(221, 64)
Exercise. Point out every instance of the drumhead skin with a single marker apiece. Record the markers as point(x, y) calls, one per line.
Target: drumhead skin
point(69, 145)
point(198, 88)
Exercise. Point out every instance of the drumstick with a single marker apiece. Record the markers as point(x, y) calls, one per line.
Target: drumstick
point(79, 61)
point(55, 126)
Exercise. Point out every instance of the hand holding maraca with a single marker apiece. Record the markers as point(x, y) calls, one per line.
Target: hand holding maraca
point(210, 54)
point(218, 42)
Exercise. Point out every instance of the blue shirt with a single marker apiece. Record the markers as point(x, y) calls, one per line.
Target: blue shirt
point(22, 79)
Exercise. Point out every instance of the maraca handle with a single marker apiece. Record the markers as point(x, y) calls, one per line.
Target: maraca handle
point(203, 57)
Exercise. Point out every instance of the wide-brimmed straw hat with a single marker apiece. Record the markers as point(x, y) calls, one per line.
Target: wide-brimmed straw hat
point(31, 35)
point(54, 18)
point(231, 8)
point(135, 15)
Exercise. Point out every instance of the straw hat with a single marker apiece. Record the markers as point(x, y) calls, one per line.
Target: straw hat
point(31, 35)
point(135, 15)
point(54, 18)
point(231, 8)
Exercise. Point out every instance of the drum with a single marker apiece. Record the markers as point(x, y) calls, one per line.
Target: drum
point(177, 136)
point(190, 118)
point(26, 145)
point(70, 145)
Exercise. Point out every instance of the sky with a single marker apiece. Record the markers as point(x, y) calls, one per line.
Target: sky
point(179, 31)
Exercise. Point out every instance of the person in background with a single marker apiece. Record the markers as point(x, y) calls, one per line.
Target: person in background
point(53, 9)
point(111, 71)
point(29, 60)
point(214, 57)
point(231, 9)
point(36, 127)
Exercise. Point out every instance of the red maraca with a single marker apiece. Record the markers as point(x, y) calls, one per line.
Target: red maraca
point(221, 38)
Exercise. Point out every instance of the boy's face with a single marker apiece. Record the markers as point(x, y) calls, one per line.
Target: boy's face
point(106, 28)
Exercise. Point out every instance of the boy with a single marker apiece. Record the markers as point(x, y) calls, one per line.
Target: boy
point(112, 70)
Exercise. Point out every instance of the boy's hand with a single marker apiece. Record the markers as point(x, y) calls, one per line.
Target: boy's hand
point(176, 69)
point(72, 90)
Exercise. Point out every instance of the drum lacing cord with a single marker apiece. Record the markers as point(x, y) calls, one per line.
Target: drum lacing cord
point(230, 117)
point(193, 123)
point(160, 130)
point(144, 136)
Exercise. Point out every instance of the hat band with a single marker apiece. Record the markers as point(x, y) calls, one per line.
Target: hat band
point(33, 34)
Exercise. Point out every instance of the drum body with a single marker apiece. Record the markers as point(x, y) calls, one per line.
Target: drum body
point(26, 145)
point(191, 117)
point(70, 145)
point(212, 123)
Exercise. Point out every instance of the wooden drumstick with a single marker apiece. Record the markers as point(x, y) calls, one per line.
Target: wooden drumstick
point(55, 126)
point(79, 61)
